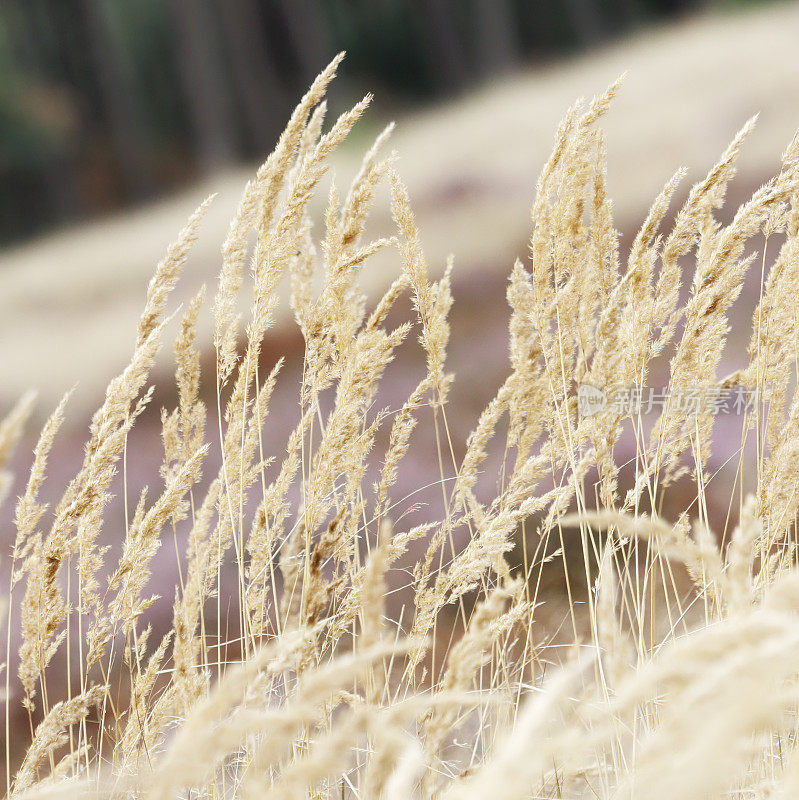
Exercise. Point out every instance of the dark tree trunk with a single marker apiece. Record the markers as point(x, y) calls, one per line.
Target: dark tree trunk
point(257, 85)
point(443, 46)
point(117, 86)
point(496, 45)
point(587, 20)
point(209, 104)
point(307, 33)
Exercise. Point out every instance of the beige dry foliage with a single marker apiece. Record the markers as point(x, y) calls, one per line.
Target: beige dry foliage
point(675, 672)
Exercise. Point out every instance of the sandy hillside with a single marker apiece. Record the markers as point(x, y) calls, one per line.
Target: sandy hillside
point(68, 302)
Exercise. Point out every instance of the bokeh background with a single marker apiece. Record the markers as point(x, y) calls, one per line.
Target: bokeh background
point(108, 102)
point(118, 116)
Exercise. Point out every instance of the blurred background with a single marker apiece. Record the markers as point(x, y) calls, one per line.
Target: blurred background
point(108, 102)
point(117, 117)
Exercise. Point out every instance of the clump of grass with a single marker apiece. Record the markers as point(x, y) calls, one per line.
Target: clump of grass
point(678, 677)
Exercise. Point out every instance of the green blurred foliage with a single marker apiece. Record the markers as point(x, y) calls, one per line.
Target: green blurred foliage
point(100, 92)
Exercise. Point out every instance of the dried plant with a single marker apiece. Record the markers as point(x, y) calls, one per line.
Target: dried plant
point(674, 673)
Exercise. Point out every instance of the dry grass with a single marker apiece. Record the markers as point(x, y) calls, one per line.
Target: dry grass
point(285, 672)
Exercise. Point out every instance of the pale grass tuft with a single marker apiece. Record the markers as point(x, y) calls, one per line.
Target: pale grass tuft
point(585, 623)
